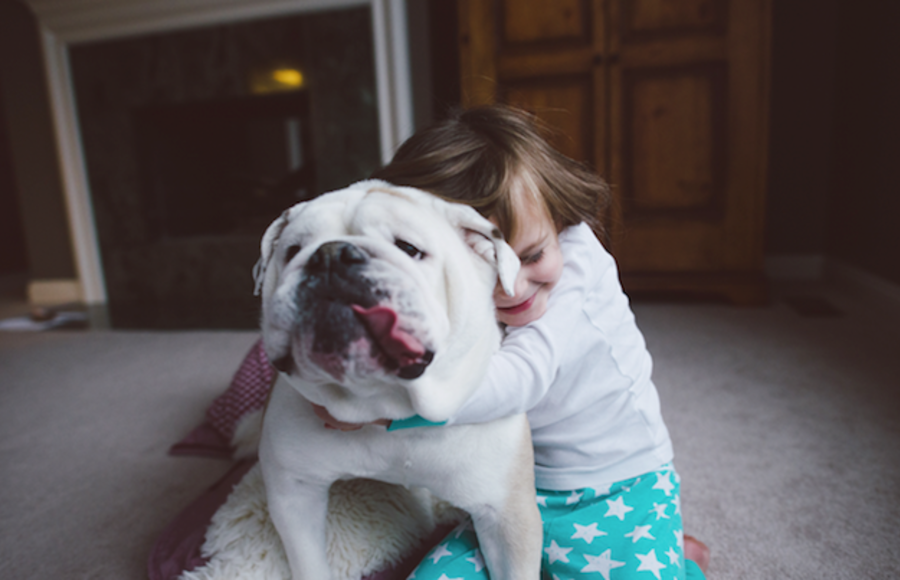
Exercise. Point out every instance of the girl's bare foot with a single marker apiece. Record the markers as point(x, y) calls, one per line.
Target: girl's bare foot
point(697, 551)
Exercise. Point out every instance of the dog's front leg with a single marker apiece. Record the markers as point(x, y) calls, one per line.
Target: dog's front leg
point(510, 539)
point(299, 510)
point(508, 523)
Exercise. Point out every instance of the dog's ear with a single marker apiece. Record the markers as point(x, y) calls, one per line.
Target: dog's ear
point(267, 249)
point(487, 241)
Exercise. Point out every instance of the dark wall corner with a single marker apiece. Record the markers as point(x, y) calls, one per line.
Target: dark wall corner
point(32, 145)
point(865, 199)
point(801, 134)
point(13, 257)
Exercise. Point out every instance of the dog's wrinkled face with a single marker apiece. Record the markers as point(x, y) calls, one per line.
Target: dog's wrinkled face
point(353, 312)
point(357, 289)
point(356, 296)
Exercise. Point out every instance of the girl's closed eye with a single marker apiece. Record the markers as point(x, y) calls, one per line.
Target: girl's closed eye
point(532, 258)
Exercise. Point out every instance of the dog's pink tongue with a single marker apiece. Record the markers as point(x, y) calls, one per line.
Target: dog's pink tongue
point(381, 322)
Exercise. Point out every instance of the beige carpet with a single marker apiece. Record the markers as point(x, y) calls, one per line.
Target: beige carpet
point(786, 427)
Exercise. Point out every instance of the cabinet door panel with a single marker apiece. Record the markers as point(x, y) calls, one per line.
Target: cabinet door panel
point(527, 21)
point(674, 142)
point(686, 81)
point(565, 105)
point(673, 17)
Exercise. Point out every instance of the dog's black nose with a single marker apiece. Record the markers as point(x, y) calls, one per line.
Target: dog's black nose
point(337, 256)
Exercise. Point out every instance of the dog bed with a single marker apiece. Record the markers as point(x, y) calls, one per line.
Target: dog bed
point(375, 531)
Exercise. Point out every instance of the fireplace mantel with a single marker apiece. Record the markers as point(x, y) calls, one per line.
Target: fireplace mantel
point(67, 22)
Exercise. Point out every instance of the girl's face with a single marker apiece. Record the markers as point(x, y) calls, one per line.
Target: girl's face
point(537, 245)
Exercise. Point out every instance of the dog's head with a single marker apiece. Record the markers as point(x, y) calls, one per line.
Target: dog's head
point(377, 300)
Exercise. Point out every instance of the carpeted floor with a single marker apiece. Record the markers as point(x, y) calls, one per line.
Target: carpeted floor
point(786, 421)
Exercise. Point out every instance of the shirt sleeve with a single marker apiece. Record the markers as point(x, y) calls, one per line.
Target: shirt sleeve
point(521, 373)
point(518, 377)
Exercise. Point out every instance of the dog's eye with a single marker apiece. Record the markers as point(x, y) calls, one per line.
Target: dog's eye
point(409, 249)
point(291, 251)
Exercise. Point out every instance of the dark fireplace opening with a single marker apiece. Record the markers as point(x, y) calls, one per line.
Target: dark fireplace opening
point(225, 166)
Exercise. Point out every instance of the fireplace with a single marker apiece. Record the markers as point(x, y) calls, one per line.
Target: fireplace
point(195, 140)
point(223, 167)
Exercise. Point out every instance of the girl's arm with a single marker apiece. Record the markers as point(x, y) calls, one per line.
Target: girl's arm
point(521, 373)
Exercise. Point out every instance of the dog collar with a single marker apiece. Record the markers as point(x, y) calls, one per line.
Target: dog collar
point(412, 422)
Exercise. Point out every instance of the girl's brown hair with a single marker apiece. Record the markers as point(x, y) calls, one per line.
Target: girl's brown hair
point(476, 156)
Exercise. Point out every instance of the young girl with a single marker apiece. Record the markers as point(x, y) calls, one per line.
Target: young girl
point(572, 357)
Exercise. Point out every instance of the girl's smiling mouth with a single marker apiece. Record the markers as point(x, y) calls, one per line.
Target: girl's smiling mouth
point(521, 307)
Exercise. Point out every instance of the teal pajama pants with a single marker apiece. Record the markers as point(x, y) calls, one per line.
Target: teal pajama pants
point(632, 530)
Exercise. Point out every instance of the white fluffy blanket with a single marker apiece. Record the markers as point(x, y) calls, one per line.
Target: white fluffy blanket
point(371, 525)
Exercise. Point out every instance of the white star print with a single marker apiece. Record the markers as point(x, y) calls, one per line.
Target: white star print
point(542, 500)
point(650, 563)
point(574, 498)
point(617, 508)
point(664, 483)
point(587, 533)
point(555, 553)
point(673, 557)
point(477, 560)
point(676, 501)
point(602, 491)
point(439, 553)
point(444, 577)
point(602, 563)
point(679, 538)
point(660, 510)
point(638, 533)
point(632, 486)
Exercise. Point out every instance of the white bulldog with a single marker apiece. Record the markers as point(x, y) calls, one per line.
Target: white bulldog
point(377, 303)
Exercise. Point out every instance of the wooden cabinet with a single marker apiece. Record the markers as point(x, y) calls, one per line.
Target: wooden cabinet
point(667, 99)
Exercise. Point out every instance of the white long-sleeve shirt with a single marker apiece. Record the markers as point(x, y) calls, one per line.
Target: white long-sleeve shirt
point(582, 373)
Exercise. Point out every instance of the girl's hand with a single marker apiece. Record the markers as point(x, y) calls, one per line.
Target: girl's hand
point(332, 423)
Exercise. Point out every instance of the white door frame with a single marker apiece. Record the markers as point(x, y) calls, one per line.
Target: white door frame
point(63, 22)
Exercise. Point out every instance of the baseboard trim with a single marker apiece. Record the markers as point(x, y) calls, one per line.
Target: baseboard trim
point(874, 289)
point(52, 292)
point(851, 279)
point(795, 267)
